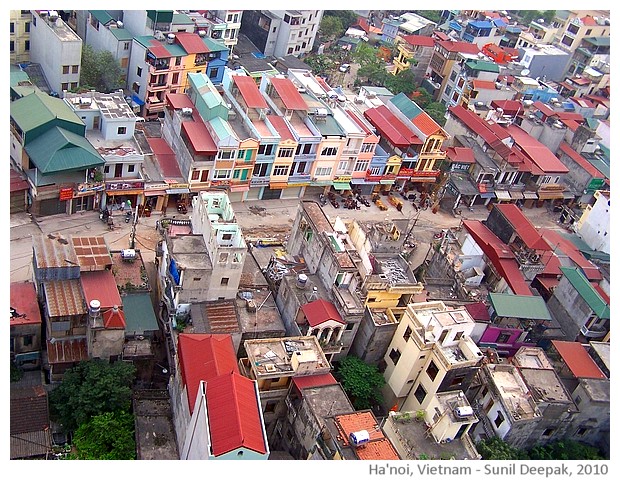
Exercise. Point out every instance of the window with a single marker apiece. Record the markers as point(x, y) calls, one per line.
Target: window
point(285, 152)
point(65, 69)
point(289, 51)
point(503, 337)
point(224, 281)
point(342, 165)
point(361, 165)
point(581, 431)
point(73, 85)
point(175, 78)
point(432, 371)
point(567, 41)
point(329, 151)
point(223, 257)
point(64, 86)
point(350, 326)
point(221, 174)
point(420, 394)
point(12, 28)
point(453, 75)
point(197, 279)
point(27, 45)
point(121, 130)
point(131, 168)
point(265, 149)
point(548, 432)
point(75, 68)
point(368, 147)
point(457, 380)
point(195, 174)
point(407, 333)
point(260, 170)
point(323, 171)
point(139, 72)
point(213, 72)
point(27, 340)
point(499, 419)
point(458, 335)
point(12, 46)
point(106, 169)
point(226, 154)
point(204, 175)
point(395, 355)
point(280, 170)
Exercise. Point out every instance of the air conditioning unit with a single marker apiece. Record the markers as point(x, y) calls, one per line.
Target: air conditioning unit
point(187, 112)
point(463, 411)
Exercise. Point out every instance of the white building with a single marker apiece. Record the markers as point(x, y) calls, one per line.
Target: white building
point(57, 48)
point(593, 226)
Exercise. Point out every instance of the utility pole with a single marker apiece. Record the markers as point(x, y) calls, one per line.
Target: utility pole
point(132, 235)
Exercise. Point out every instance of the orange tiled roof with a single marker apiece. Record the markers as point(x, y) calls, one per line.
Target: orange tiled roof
point(378, 448)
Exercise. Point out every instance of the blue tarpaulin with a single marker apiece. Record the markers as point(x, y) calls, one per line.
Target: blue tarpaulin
point(174, 271)
point(135, 99)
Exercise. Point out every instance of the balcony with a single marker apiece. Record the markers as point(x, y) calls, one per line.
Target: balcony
point(259, 181)
point(299, 177)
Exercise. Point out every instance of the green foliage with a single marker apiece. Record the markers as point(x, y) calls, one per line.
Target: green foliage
point(437, 111)
point(319, 63)
point(497, 449)
point(402, 82)
point(564, 450)
point(361, 381)
point(109, 436)
point(432, 15)
point(100, 70)
point(16, 373)
point(331, 27)
point(91, 388)
point(346, 17)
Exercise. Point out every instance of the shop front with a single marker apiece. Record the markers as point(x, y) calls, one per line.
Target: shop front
point(129, 193)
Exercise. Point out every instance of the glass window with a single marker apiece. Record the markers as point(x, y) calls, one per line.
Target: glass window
point(432, 371)
point(395, 355)
point(121, 130)
point(420, 394)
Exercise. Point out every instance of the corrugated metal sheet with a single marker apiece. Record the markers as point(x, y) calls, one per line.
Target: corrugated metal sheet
point(320, 311)
point(67, 351)
point(101, 286)
point(64, 297)
point(378, 447)
point(577, 359)
point(222, 316)
point(54, 258)
point(234, 415)
point(30, 444)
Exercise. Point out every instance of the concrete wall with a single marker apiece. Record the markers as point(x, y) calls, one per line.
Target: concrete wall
point(568, 309)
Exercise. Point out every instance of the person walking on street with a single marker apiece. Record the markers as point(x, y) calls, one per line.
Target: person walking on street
point(122, 206)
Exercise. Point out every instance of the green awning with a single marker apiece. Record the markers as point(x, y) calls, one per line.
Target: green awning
point(342, 186)
point(140, 316)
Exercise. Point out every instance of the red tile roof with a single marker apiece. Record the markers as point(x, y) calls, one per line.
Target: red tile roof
point(29, 409)
point(281, 127)
point(589, 21)
point(199, 137)
point(18, 182)
point(165, 157)
point(309, 381)
point(92, 253)
point(114, 318)
point(510, 107)
point(538, 153)
point(191, 42)
point(500, 256)
point(426, 124)
point(378, 447)
point(579, 160)
point(320, 311)
point(419, 40)
point(460, 47)
point(158, 49)
point(252, 96)
point(24, 300)
point(478, 311)
point(204, 357)
point(100, 286)
point(553, 238)
point(395, 131)
point(461, 154)
point(522, 226)
point(577, 359)
point(234, 415)
point(483, 85)
point(178, 101)
point(287, 91)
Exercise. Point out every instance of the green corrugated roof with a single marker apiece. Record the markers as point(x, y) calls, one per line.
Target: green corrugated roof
point(598, 41)
point(519, 306)
point(39, 108)
point(144, 40)
point(224, 132)
point(18, 75)
point(329, 127)
point(181, 19)
point(175, 50)
point(59, 150)
point(121, 33)
point(160, 16)
point(102, 15)
point(213, 45)
point(586, 290)
point(23, 90)
point(482, 65)
point(139, 314)
point(406, 106)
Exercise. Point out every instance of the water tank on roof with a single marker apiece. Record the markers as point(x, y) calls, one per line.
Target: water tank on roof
point(464, 411)
point(202, 33)
point(302, 280)
point(359, 438)
point(170, 38)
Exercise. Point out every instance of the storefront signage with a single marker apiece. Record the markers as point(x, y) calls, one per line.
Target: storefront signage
point(406, 172)
point(66, 194)
point(85, 188)
point(114, 186)
point(342, 178)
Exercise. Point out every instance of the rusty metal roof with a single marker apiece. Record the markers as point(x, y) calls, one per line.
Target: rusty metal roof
point(222, 316)
point(53, 251)
point(92, 253)
point(67, 351)
point(64, 297)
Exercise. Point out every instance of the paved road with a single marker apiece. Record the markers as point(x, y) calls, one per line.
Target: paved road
point(257, 218)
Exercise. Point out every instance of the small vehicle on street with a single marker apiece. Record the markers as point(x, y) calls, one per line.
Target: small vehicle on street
point(345, 67)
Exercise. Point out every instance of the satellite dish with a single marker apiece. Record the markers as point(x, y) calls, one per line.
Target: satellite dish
point(525, 72)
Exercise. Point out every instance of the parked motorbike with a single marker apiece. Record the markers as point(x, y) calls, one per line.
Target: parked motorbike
point(103, 215)
point(127, 217)
point(322, 199)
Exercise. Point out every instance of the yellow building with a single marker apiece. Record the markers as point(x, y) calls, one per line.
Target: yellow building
point(20, 36)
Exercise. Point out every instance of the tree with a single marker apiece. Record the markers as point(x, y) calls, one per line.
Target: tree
point(497, 449)
point(372, 67)
point(402, 82)
point(109, 436)
point(330, 28)
point(437, 111)
point(100, 70)
point(361, 381)
point(91, 388)
point(346, 17)
point(432, 15)
point(564, 450)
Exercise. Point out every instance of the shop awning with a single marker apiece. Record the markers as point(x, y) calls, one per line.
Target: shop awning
point(530, 195)
point(154, 193)
point(550, 195)
point(388, 182)
point(111, 193)
point(516, 195)
point(342, 186)
point(172, 191)
point(502, 194)
point(568, 195)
